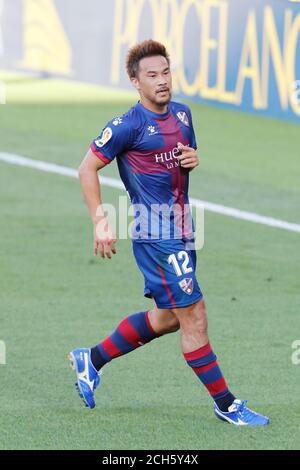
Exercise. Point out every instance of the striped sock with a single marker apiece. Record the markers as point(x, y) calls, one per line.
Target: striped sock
point(204, 364)
point(134, 331)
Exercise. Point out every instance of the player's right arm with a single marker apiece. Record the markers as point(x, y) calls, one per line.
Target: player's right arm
point(104, 238)
point(113, 140)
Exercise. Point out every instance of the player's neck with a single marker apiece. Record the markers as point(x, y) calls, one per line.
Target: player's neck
point(158, 109)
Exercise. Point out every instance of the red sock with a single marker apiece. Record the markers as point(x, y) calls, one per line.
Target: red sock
point(204, 364)
point(133, 331)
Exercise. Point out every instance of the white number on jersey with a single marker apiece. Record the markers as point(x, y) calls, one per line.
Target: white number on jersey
point(185, 269)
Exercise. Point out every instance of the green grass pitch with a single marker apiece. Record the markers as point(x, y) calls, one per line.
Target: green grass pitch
point(55, 296)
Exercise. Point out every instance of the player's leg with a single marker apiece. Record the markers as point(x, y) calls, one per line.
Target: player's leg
point(177, 288)
point(133, 332)
point(172, 281)
point(198, 353)
point(163, 320)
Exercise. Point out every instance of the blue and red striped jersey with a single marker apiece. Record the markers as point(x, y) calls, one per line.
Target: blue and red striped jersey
point(145, 146)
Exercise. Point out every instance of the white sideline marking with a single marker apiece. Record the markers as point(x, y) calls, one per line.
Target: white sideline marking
point(114, 183)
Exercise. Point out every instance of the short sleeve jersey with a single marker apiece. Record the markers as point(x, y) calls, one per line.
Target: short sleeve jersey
point(145, 146)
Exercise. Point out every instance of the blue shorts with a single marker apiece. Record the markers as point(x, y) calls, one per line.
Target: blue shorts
point(169, 268)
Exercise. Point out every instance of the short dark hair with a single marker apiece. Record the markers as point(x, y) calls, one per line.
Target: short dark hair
point(148, 48)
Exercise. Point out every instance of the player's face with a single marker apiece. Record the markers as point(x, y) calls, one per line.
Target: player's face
point(154, 81)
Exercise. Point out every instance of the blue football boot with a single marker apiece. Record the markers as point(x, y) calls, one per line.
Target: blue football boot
point(88, 378)
point(239, 415)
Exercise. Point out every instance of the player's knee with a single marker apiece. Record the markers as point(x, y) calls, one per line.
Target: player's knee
point(173, 324)
point(170, 324)
point(193, 317)
point(201, 317)
point(198, 322)
point(164, 322)
point(201, 322)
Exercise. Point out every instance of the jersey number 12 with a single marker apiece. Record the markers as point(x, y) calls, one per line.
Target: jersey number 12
point(184, 258)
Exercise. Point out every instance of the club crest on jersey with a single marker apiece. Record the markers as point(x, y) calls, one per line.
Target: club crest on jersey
point(187, 285)
point(106, 135)
point(183, 118)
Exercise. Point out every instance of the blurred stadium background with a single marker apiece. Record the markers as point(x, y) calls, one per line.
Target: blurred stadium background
point(237, 64)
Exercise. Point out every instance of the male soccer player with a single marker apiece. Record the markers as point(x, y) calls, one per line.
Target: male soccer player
point(155, 147)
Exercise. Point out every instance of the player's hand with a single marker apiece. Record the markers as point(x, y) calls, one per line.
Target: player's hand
point(104, 239)
point(188, 158)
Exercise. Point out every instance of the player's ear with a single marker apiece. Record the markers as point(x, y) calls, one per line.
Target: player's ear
point(135, 83)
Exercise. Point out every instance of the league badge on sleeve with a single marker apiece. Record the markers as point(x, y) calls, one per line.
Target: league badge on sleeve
point(183, 118)
point(187, 285)
point(106, 135)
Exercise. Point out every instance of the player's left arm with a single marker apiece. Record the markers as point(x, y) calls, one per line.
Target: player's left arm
point(189, 157)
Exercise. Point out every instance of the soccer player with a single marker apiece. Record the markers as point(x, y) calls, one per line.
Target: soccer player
point(155, 147)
